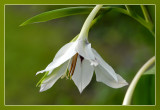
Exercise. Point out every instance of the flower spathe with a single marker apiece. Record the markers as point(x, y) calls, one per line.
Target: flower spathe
point(81, 61)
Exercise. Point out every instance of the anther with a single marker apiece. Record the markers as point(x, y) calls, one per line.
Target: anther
point(73, 65)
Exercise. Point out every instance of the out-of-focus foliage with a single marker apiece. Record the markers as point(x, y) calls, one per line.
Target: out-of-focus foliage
point(123, 42)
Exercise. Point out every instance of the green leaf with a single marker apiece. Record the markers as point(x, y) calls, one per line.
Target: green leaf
point(58, 13)
point(150, 71)
point(63, 12)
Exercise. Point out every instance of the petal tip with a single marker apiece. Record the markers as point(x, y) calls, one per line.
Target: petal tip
point(42, 89)
point(80, 91)
point(126, 83)
point(40, 72)
point(37, 73)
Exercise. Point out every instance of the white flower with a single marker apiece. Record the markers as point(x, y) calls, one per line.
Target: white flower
point(81, 61)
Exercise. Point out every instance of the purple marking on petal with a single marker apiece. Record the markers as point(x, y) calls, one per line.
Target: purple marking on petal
point(82, 58)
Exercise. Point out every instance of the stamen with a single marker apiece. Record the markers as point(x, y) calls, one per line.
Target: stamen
point(73, 65)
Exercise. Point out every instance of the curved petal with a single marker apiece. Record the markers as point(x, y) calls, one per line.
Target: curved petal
point(65, 53)
point(85, 50)
point(103, 76)
point(50, 80)
point(83, 74)
point(42, 71)
point(106, 66)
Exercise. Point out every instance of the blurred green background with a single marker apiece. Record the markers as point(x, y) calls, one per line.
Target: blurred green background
point(123, 42)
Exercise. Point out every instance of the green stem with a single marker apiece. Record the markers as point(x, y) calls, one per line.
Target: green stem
point(85, 28)
point(129, 93)
point(93, 23)
point(146, 14)
point(148, 19)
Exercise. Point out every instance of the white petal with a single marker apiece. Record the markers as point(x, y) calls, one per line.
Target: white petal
point(65, 53)
point(53, 77)
point(106, 66)
point(103, 76)
point(85, 50)
point(83, 74)
point(42, 71)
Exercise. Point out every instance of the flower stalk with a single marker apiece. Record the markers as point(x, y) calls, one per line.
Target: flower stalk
point(129, 93)
point(92, 23)
point(86, 26)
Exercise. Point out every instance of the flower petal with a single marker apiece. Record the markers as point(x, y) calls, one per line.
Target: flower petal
point(85, 50)
point(65, 53)
point(103, 76)
point(49, 81)
point(106, 66)
point(83, 74)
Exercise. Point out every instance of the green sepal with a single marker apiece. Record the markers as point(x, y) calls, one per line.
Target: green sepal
point(42, 79)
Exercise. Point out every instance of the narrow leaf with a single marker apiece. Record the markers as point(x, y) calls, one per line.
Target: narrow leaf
point(58, 13)
point(39, 83)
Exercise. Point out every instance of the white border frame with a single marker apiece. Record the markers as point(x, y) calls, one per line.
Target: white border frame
point(80, 105)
